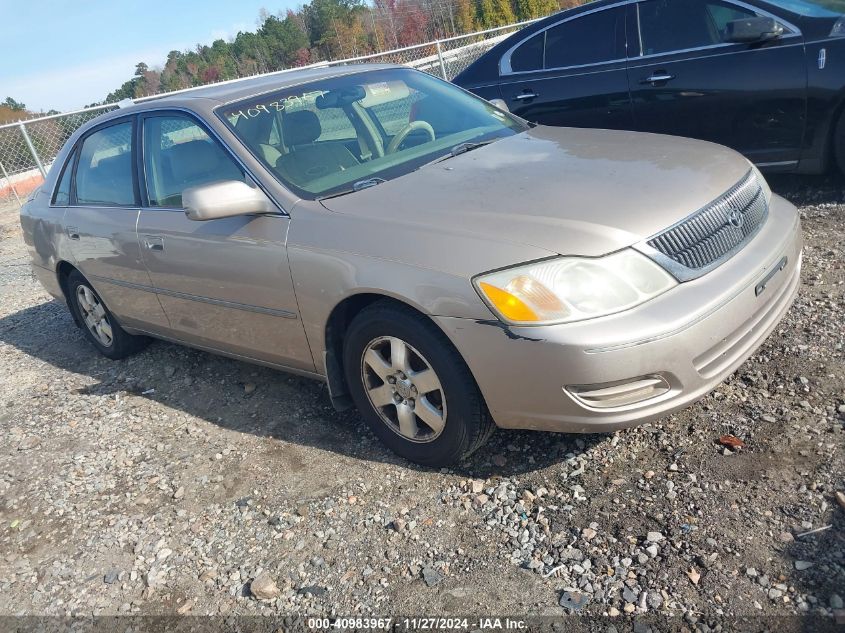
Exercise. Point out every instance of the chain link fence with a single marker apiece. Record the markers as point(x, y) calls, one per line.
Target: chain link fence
point(28, 148)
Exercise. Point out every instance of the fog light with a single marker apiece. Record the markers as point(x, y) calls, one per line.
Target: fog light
point(621, 393)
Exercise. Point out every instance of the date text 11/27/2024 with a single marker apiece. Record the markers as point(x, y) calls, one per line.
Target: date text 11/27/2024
point(417, 624)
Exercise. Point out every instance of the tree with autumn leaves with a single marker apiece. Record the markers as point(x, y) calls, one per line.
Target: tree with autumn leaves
point(326, 30)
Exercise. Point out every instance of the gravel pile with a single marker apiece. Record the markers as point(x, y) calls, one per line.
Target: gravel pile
point(180, 482)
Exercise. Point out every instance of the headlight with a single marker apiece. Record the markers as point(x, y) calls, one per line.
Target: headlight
point(569, 289)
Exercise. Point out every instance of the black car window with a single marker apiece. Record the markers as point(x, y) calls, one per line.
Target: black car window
point(721, 14)
point(676, 25)
point(62, 196)
point(104, 175)
point(591, 39)
point(178, 154)
point(529, 56)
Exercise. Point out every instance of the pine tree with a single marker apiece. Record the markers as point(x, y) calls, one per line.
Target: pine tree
point(465, 20)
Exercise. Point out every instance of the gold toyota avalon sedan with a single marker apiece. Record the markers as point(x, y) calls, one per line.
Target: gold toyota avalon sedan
point(444, 266)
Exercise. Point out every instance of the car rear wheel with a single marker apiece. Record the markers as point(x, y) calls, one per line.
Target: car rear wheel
point(98, 324)
point(412, 387)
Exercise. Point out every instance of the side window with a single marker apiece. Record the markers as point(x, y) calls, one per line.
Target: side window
point(396, 114)
point(178, 154)
point(721, 14)
point(592, 39)
point(675, 25)
point(104, 174)
point(62, 196)
point(529, 56)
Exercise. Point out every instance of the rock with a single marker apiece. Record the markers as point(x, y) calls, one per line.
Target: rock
point(313, 590)
point(185, 607)
point(499, 460)
point(263, 587)
point(673, 468)
point(801, 565)
point(588, 533)
point(573, 601)
point(180, 492)
point(835, 601)
point(786, 537)
point(477, 486)
point(111, 576)
point(649, 474)
point(29, 443)
point(652, 550)
point(249, 388)
point(751, 572)
point(629, 595)
point(654, 537)
point(774, 593)
point(694, 575)
point(398, 524)
point(431, 576)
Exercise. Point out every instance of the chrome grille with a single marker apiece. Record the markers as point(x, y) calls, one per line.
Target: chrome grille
point(718, 230)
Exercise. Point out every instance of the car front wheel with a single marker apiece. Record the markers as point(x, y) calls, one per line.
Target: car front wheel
point(98, 324)
point(412, 387)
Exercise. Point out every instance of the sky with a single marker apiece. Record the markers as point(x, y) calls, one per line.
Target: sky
point(59, 54)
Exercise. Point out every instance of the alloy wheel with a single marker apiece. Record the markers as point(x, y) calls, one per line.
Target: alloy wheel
point(404, 389)
point(94, 315)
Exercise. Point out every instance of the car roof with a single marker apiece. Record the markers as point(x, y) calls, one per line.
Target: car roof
point(237, 89)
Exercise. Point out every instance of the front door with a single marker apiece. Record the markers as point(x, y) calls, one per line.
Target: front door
point(687, 80)
point(225, 284)
point(103, 208)
point(572, 73)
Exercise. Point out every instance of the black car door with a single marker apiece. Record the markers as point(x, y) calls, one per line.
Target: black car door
point(687, 80)
point(571, 73)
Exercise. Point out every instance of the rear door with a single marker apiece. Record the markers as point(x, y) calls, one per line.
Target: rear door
point(572, 73)
point(686, 80)
point(103, 207)
point(225, 284)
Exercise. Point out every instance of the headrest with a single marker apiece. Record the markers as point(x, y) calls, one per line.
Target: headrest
point(301, 127)
point(192, 159)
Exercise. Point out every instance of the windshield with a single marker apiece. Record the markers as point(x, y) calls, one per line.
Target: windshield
point(813, 8)
point(330, 135)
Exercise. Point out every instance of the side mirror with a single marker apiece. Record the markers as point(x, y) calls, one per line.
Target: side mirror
point(224, 199)
point(751, 30)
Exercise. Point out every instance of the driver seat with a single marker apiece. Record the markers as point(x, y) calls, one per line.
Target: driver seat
point(306, 159)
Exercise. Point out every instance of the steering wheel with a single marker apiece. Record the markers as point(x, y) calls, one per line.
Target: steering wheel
point(405, 131)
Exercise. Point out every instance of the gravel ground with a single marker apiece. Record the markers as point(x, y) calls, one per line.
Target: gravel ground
point(180, 482)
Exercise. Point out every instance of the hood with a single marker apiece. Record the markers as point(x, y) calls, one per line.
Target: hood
point(567, 191)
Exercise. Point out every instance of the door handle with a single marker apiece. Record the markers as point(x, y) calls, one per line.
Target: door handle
point(154, 243)
point(658, 78)
point(73, 232)
point(526, 95)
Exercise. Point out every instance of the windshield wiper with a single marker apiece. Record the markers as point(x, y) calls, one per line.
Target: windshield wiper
point(357, 186)
point(461, 148)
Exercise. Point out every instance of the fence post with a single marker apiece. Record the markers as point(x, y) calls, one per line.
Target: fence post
point(32, 149)
point(11, 185)
point(442, 64)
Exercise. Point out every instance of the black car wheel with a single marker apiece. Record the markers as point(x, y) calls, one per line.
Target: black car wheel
point(97, 323)
point(412, 387)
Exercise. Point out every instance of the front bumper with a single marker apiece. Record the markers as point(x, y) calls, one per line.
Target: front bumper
point(692, 338)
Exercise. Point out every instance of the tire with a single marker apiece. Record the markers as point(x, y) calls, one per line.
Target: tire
point(449, 399)
point(839, 143)
point(111, 340)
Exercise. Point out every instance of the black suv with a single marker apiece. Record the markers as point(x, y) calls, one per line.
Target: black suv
point(765, 78)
